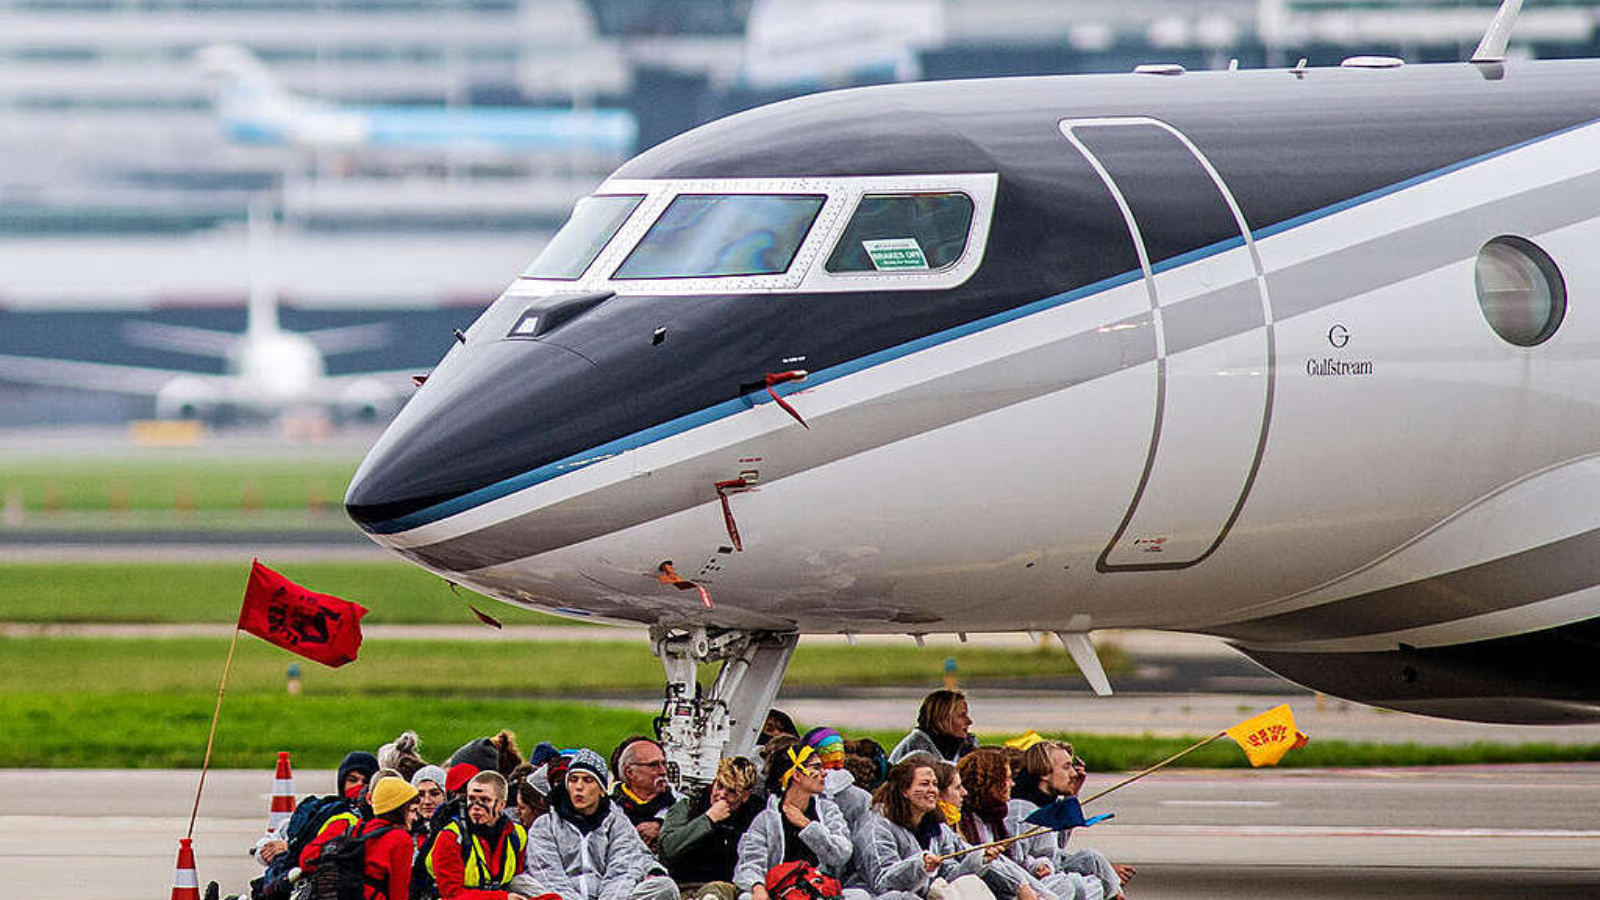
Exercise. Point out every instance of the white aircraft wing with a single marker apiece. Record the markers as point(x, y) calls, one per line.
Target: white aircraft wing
point(376, 393)
point(180, 338)
point(92, 376)
point(351, 337)
point(398, 379)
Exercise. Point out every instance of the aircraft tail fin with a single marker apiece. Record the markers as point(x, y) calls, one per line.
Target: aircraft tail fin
point(262, 310)
point(253, 105)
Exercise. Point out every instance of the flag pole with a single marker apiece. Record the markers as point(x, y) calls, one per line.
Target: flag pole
point(1165, 762)
point(222, 688)
point(1002, 842)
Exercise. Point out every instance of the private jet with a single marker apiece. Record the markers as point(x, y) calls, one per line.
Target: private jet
point(1300, 358)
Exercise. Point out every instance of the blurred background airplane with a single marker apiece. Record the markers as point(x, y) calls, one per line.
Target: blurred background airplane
point(269, 373)
point(255, 108)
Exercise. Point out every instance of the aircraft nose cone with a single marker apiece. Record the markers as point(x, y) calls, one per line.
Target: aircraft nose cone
point(494, 412)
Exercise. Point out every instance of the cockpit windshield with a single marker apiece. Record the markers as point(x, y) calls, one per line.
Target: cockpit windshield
point(595, 221)
point(711, 235)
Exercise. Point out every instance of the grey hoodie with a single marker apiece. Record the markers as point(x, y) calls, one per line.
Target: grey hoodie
point(605, 864)
point(856, 804)
point(897, 858)
point(762, 846)
point(919, 741)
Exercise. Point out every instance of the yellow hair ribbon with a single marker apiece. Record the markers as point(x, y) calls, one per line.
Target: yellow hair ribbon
point(796, 764)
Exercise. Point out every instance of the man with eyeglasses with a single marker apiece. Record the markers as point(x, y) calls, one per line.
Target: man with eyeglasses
point(642, 792)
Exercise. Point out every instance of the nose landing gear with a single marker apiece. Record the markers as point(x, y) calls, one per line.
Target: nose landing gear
point(696, 728)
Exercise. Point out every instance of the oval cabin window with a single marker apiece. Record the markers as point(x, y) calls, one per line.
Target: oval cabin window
point(1520, 290)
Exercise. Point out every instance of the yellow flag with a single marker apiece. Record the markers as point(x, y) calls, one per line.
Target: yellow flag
point(1027, 740)
point(1267, 737)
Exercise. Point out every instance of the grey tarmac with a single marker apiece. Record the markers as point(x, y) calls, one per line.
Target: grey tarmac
point(1476, 831)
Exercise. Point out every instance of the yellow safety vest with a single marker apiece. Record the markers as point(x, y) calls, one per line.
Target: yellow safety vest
point(475, 857)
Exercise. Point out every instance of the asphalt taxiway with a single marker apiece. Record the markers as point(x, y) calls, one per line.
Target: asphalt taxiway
point(1478, 831)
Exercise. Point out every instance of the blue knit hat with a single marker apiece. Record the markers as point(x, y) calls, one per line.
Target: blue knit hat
point(590, 762)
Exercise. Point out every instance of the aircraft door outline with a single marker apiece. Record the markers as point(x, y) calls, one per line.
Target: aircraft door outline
point(1171, 523)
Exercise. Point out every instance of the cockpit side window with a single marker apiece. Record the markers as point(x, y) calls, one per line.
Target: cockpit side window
point(713, 235)
point(903, 233)
point(595, 221)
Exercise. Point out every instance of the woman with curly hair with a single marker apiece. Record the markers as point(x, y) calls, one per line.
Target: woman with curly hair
point(986, 775)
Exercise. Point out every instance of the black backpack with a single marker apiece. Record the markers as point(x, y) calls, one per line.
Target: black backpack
point(309, 817)
point(341, 869)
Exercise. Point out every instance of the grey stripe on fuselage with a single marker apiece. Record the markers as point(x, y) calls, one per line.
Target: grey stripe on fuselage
point(1537, 574)
point(1296, 290)
point(1369, 265)
point(1220, 314)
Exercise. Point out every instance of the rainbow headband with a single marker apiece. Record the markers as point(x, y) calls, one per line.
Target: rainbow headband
point(797, 763)
point(829, 745)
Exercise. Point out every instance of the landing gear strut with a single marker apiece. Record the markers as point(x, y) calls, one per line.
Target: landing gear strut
point(697, 729)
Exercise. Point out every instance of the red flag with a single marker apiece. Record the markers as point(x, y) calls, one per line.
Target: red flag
point(320, 627)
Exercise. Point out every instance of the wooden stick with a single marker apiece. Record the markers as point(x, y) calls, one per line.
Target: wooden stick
point(222, 688)
point(1003, 842)
point(1169, 760)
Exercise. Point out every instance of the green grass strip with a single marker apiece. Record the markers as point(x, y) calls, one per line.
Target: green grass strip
point(158, 731)
point(396, 593)
point(472, 669)
point(176, 480)
point(169, 731)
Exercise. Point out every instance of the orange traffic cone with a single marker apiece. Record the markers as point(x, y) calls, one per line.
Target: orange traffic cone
point(185, 881)
point(282, 794)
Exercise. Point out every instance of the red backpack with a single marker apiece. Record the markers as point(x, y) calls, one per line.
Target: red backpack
point(800, 880)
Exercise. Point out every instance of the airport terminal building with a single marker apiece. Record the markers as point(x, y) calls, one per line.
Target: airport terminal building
point(125, 191)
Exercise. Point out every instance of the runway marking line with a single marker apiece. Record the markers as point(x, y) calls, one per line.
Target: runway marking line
point(1219, 803)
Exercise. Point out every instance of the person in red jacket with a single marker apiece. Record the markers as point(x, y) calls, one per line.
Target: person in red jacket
point(477, 858)
point(388, 869)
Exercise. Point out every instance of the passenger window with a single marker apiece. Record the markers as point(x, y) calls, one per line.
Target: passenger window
point(712, 235)
point(595, 221)
point(1520, 290)
point(904, 232)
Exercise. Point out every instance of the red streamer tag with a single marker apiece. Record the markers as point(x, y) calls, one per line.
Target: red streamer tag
point(776, 378)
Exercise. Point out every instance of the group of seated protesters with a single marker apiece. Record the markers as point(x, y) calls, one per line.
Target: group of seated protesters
point(491, 825)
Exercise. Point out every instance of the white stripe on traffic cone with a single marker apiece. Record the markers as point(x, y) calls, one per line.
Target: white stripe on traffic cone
point(282, 794)
point(185, 881)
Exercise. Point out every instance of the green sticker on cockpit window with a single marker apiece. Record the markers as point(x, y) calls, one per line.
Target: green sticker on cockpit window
point(895, 254)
